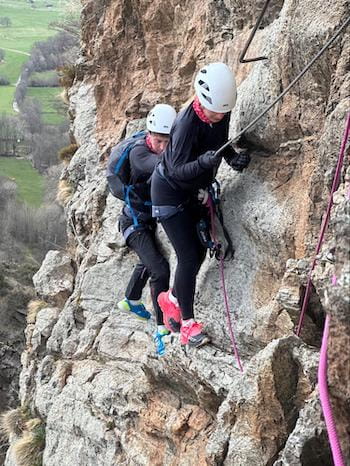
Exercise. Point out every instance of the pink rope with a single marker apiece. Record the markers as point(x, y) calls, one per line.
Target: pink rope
point(228, 316)
point(335, 185)
point(210, 206)
point(325, 402)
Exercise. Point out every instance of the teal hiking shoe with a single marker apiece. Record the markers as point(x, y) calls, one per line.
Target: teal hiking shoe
point(160, 338)
point(139, 310)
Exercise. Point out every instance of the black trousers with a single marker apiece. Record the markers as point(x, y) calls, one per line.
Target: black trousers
point(181, 230)
point(153, 265)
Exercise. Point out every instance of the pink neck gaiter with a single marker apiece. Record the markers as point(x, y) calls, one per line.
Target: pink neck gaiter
point(197, 107)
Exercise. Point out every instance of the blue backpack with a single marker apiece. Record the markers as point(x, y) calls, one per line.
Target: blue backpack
point(118, 169)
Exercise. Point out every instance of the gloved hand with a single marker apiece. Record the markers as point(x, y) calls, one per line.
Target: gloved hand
point(202, 195)
point(240, 160)
point(209, 159)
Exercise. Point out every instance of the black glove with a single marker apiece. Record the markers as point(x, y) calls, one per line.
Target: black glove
point(240, 160)
point(209, 159)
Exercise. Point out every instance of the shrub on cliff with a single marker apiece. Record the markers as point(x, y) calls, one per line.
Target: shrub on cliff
point(12, 422)
point(66, 75)
point(66, 153)
point(33, 308)
point(28, 450)
point(64, 193)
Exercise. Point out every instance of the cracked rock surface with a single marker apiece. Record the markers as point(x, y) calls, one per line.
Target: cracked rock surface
point(90, 371)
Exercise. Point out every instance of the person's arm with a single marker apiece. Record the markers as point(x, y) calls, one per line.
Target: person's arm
point(183, 141)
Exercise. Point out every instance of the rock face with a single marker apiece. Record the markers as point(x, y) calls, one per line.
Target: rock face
point(89, 372)
point(15, 293)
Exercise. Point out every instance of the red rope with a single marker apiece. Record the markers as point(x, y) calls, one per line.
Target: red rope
point(210, 205)
point(335, 185)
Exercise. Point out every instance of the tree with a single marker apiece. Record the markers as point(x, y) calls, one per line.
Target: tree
point(11, 135)
point(4, 81)
point(2, 54)
point(31, 115)
point(45, 147)
point(5, 21)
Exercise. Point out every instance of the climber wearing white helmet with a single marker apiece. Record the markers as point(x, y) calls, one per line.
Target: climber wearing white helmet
point(189, 164)
point(138, 226)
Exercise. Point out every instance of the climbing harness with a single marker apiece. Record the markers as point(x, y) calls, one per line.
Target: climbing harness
point(336, 181)
point(140, 225)
point(325, 401)
point(165, 211)
point(278, 98)
point(217, 247)
point(242, 58)
point(220, 257)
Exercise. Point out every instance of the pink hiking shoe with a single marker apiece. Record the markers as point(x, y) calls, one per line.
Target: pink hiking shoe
point(193, 335)
point(171, 312)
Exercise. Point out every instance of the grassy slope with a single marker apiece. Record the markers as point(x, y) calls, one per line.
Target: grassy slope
point(29, 25)
point(30, 183)
point(6, 98)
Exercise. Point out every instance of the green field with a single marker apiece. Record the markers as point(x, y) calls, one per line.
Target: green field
point(6, 99)
point(29, 25)
point(11, 67)
point(43, 74)
point(30, 183)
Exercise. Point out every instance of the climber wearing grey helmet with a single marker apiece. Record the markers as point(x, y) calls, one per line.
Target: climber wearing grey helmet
point(188, 166)
point(138, 226)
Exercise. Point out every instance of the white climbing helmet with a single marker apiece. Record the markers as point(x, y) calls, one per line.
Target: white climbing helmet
point(161, 118)
point(215, 87)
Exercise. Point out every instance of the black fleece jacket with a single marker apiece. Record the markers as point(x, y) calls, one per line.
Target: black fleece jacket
point(190, 137)
point(142, 163)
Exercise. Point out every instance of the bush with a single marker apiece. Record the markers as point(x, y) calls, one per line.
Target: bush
point(66, 153)
point(33, 308)
point(11, 134)
point(37, 227)
point(5, 21)
point(64, 193)
point(66, 75)
point(4, 81)
point(12, 422)
point(29, 448)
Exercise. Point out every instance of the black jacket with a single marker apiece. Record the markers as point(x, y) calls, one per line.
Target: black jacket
point(190, 137)
point(142, 163)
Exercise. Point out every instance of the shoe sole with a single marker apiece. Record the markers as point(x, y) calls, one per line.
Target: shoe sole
point(203, 342)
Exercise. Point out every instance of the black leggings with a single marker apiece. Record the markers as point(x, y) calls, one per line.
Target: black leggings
point(153, 265)
point(182, 233)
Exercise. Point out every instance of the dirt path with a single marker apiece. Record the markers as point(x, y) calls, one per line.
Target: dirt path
point(17, 51)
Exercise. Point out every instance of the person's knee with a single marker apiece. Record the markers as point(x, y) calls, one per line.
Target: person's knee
point(190, 261)
point(161, 272)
